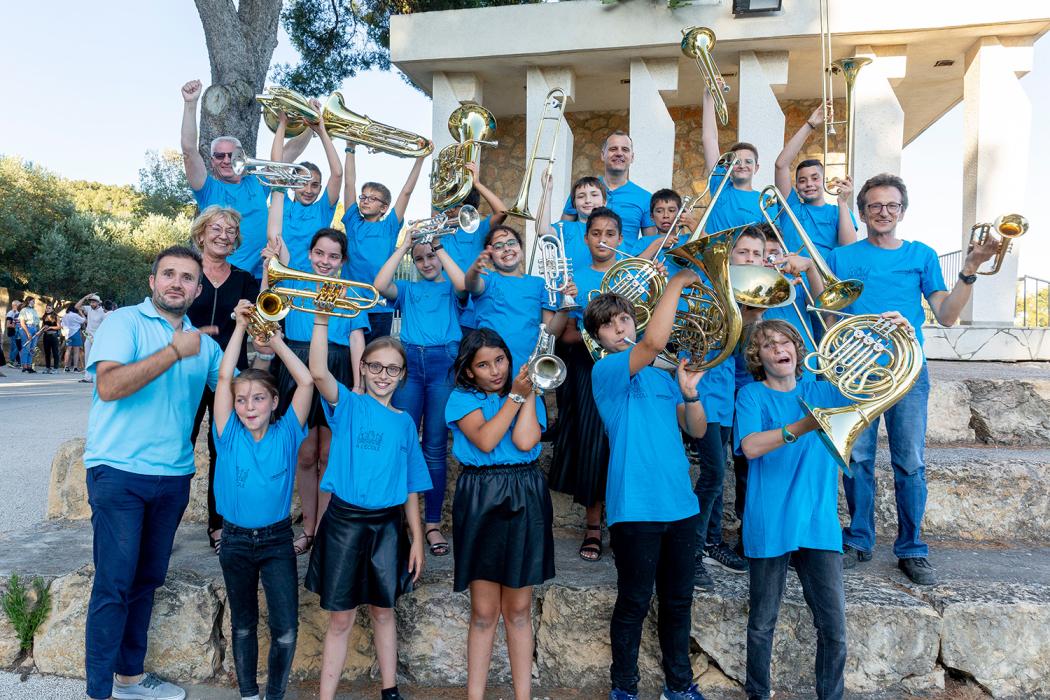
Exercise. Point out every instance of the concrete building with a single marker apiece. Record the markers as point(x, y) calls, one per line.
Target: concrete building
point(621, 67)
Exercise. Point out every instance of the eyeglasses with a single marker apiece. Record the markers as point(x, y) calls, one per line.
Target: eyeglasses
point(891, 207)
point(746, 161)
point(228, 230)
point(509, 243)
point(377, 368)
point(222, 156)
point(370, 198)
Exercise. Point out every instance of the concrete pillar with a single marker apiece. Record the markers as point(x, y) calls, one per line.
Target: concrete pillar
point(539, 82)
point(448, 90)
point(879, 116)
point(652, 129)
point(997, 122)
point(760, 119)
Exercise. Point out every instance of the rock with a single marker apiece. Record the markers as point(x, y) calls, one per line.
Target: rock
point(948, 414)
point(10, 647)
point(1011, 412)
point(67, 490)
point(182, 637)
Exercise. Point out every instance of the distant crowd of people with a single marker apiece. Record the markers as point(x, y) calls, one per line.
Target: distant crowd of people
point(62, 337)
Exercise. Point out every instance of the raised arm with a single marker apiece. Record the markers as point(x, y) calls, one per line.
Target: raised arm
point(709, 133)
point(499, 209)
point(116, 381)
point(658, 332)
point(350, 176)
point(473, 281)
point(196, 173)
point(947, 306)
point(302, 399)
point(384, 280)
point(762, 443)
point(847, 230)
point(406, 192)
point(335, 168)
point(527, 430)
point(295, 147)
point(543, 211)
point(452, 271)
point(277, 147)
point(782, 167)
point(223, 388)
point(324, 380)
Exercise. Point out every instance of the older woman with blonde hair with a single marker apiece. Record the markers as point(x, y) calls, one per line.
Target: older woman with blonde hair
point(216, 233)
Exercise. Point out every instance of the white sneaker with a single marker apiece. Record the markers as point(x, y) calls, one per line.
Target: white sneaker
point(151, 687)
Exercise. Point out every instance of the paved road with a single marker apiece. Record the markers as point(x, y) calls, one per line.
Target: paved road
point(39, 413)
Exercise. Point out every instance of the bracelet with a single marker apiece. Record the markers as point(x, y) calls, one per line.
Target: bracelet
point(810, 125)
point(787, 435)
point(350, 149)
point(694, 399)
point(178, 355)
point(516, 398)
point(263, 356)
point(435, 246)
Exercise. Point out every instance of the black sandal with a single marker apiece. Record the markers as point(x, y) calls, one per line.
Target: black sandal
point(214, 542)
point(438, 549)
point(591, 548)
point(300, 550)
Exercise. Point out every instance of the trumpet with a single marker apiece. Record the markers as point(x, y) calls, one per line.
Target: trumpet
point(555, 104)
point(849, 68)
point(342, 122)
point(546, 370)
point(697, 43)
point(258, 327)
point(330, 299)
point(1007, 227)
point(555, 268)
point(426, 230)
point(274, 174)
point(450, 182)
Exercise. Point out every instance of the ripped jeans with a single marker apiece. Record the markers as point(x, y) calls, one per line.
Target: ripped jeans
point(248, 555)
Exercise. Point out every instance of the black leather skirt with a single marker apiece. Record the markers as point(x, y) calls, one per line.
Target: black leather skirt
point(359, 556)
point(501, 526)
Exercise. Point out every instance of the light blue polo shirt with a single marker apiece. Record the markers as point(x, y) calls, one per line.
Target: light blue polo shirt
point(300, 224)
point(299, 325)
point(369, 244)
point(792, 492)
point(254, 480)
point(375, 460)
point(821, 222)
point(648, 470)
point(631, 202)
point(464, 401)
point(734, 207)
point(513, 307)
point(429, 312)
point(147, 432)
point(248, 197)
point(894, 280)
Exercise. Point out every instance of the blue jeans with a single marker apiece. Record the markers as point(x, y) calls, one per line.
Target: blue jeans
point(906, 426)
point(423, 396)
point(14, 347)
point(820, 572)
point(708, 489)
point(28, 345)
point(248, 555)
point(380, 323)
point(134, 518)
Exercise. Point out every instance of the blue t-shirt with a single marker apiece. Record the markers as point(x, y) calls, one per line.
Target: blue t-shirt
point(300, 224)
point(734, 207)
point(792, 492)
point(628, 200)
point(248, 197)
point(588, 281)
point(894, 280)
point(648, 470)
point(462, 402)
point(429, 312)
point(369, 244)
point(716, 389)
point(821, 222)
point(513, 307)
point(147, 432)
point(299, 325)
point(375, 460)
point(254, 480)
point(464, 249)
point(574, 234)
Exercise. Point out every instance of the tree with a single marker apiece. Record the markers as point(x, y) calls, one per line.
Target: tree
point(162, 182)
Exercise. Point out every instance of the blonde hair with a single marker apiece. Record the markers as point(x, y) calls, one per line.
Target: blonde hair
point(209, 215)
point(759, 333)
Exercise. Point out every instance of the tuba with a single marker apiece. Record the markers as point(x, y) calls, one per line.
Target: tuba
point(1007, 227)
point(298, 108)
point(873, 362)
point(472, 126)
point(274, 174)
point(554, 104)
point(342, 122)
point(330, 299)
point(546, 370)
point(697, 43)
point(850, 68)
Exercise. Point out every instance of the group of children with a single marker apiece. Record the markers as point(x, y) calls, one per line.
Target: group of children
point(469, 324)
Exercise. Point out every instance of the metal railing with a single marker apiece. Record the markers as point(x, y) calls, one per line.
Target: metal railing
point(1033, 303)
point(951, 264)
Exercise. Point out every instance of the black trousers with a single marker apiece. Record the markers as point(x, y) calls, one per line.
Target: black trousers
point(652, 554)
point(51, 350)
point(206, 404)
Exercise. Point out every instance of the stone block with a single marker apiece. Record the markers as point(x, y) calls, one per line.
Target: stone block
point(1011, 412)
point(67, 490)
point(948, 414)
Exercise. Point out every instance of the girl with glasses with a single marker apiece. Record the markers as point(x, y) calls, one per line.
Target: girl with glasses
point(362, 554)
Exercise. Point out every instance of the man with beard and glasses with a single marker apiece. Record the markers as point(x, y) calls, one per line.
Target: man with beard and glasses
point(151, 366)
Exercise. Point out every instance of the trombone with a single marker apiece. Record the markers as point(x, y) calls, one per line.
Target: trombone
point(1007, 227)
point(330, 299)
point(850, 68)
point(274, 174)
point(697, 43)
point(555, 104)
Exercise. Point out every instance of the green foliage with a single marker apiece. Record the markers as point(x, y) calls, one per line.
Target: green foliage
point(26, 616)
point(336, 39)
point(163, 185)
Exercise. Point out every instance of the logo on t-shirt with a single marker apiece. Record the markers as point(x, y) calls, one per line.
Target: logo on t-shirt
point(370, 440)
point(638, 391)
point(242, 478)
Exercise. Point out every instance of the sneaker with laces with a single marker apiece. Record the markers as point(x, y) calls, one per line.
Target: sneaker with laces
point(701, 577)
point(919, 570)
point(617, 694)
point(851, 556)
point(723, 556)
point(150, 687)
point(691, 693)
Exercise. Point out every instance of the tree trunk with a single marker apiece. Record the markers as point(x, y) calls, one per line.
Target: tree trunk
point(240, 45)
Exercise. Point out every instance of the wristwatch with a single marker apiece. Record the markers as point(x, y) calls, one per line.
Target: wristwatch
point(516, 398)
point(788, 436)
point(967, 279)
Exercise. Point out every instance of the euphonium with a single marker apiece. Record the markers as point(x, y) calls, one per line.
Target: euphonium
point(555, 104)
point(873, 362)
point(546, 370)
point(342, 122)
point(297, 107)
point(450, 182)
point(330, 299)
point(850, 68)
point(1007, 227)
point(272, 173)
point(697, 43)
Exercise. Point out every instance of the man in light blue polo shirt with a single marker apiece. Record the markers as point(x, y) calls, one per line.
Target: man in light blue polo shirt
point(245, 194)
point(150, 366)
point(625, 198)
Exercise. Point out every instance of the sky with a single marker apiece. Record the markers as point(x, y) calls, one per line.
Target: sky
point(90, 94)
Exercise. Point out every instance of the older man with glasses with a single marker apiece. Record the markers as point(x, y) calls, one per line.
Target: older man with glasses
point(247, 195)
